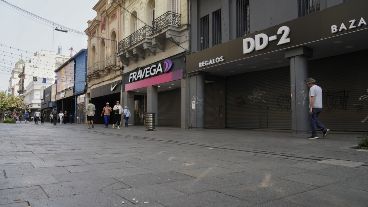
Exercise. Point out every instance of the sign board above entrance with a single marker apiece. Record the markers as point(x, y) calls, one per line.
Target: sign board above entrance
point(309, 31)
point(151, 70)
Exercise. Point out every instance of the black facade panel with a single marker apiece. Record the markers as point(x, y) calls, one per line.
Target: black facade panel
point(259, 100)
point(169, 108)
point(343, 80)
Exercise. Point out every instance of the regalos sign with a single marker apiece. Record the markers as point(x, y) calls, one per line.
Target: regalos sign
point(150, 71)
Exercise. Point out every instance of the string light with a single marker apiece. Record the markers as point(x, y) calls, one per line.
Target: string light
point(42, 19)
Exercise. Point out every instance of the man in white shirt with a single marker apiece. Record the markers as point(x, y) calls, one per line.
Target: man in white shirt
point(118, 110)
point(315, 108)
point(90, 110)
point(61, 117)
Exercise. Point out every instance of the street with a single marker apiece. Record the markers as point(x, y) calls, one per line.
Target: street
point(70, 165)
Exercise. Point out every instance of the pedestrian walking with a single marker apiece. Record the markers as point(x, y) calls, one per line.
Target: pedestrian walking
point(51, 116)
point(37, 116)
point(66, 118)
point(315, 108)
point(54, 116)
point(91, 108)
point(26, 117)
point(118, 110)
point(126, 113)
point(106, 112)
point(61, 117)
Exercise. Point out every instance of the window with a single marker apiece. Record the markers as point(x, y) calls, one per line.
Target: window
point(216, 27)
point(242, 17)
point(204, 32)
point(133, 21)
point(174, 5)
point(306, 7)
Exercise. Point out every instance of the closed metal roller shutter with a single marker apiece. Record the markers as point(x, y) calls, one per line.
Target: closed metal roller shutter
point(343, 80)
point(169, 108)
point(214, 102)
point(259, 100)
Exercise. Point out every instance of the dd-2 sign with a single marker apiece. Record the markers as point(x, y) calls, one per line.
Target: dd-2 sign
point(260, 41)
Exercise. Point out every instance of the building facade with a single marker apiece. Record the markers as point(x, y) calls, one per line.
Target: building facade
point(252, 57)
point(48, 102)
point(33, 94)
point(104, 70)
point(152, 50)
point(14, 78)
point(70, 84)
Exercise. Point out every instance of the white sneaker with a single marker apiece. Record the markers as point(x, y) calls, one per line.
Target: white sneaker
point(113, 126)
point(118, 127)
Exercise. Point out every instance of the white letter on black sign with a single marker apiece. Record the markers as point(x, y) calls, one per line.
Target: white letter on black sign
point(352, 24)
point(261, 41)
point(342, 27)
point(285, 31)
point(248, 45)
point(362, 22)
point(333, 29)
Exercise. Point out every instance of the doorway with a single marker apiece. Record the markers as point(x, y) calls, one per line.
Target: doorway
point(140, 106)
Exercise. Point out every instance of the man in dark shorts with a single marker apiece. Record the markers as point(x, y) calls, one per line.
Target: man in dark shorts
point(90, 110)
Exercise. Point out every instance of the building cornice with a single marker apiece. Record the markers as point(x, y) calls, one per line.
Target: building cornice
point(99, 5)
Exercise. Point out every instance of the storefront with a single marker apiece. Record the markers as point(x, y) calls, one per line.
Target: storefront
point(257, 82)
point(65, 90)
point(106, 93)
point(156, 88)
point(48, 102)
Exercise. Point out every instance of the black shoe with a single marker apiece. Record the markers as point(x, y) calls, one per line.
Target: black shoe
point(313, 137)
point(325, 132)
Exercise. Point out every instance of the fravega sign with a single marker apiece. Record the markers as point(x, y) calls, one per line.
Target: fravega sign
point(150, 71)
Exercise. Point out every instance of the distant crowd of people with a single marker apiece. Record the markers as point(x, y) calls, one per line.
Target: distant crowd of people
point(117, 112)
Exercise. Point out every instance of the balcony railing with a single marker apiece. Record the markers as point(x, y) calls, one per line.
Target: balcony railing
point(166, 20)
point(159, 24)
point(135, 37)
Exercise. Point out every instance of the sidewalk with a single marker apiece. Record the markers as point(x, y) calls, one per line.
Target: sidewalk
point(71, 165)
point(337, 145)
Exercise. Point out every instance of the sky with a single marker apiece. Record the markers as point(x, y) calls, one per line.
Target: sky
point(20, 31)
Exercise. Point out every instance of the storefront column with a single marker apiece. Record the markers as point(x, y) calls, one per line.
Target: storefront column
point(196, 99)
point(152, 100)
point(184, 104)
point(299, 91)
point(128, 98)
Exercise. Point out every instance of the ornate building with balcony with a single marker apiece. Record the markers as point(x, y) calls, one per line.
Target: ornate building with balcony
point(152, 50)
point(104, 68)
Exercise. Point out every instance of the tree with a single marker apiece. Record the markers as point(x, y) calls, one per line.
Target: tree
point(10, 103)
